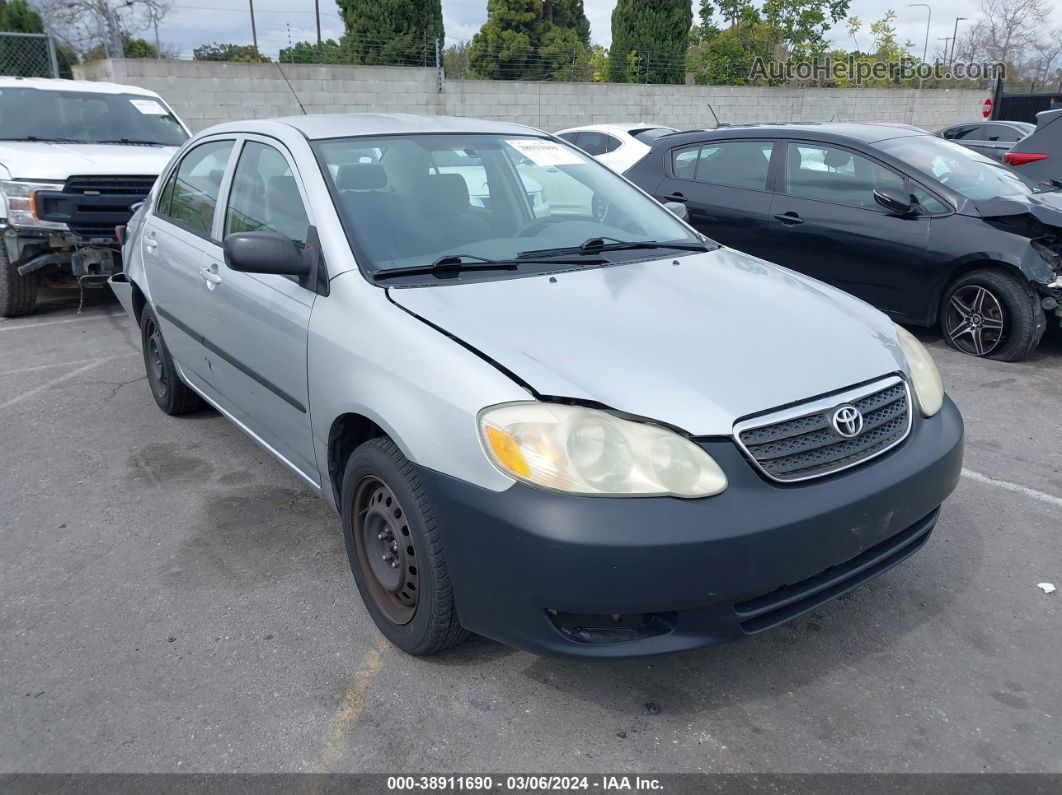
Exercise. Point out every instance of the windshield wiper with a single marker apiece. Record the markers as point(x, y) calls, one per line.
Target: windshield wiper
point(45, 140)
point(452, 264)
point(595, 245)
point(130, 141)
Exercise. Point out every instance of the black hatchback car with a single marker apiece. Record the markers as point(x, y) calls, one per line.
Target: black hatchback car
point(920, 227)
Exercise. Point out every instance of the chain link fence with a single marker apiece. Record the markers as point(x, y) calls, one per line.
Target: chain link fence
point(28, 55)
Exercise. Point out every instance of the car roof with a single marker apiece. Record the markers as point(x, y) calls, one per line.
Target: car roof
point(839, 132)
point(342, 125)
point(85, 86)
point(616, 128)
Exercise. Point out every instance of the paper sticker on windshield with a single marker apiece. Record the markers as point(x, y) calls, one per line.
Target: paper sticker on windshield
point(545, 153)
point(149, 107)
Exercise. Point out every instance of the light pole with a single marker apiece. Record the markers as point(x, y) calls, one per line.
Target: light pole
point(954, 40)
point(254, 30)
point(925, 47)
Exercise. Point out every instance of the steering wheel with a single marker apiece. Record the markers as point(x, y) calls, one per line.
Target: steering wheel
point(534, 226)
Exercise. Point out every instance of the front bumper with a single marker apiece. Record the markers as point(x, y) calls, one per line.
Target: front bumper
point(550, 573)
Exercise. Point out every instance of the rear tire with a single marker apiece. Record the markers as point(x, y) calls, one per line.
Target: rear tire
point(18, 294)
point(395, 550)
point(171, 394)
point(991, 314)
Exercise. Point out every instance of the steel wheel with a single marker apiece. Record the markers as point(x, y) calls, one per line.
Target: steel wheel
point(153, 358)
point(975, 320)
point(385, 551)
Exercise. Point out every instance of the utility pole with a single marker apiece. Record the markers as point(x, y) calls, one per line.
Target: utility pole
point(925, 47)
point(254, 32)
point(317, 11)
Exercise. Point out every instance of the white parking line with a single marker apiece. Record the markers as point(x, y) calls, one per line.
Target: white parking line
point(8, 327)
point(46, 367)
point(55, 381)
point(1041, 496)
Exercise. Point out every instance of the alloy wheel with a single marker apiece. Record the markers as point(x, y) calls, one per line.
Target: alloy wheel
point(385, 550)
point(975, 320)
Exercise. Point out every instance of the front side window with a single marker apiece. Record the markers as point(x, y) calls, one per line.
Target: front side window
point(738, 164)
point(191, 196)
point(265, 197)
point(831, 174)
point(487, 197)
point(87, 117)
point(964, 171)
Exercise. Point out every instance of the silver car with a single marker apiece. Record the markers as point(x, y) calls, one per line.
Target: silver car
point(594, 433)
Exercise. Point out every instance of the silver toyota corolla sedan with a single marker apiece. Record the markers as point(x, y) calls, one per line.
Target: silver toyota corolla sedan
point(566, 421)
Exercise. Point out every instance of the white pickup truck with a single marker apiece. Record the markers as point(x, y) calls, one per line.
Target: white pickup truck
point(74, 157)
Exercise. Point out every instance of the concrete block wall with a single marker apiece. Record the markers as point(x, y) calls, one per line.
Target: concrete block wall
point(205, 93)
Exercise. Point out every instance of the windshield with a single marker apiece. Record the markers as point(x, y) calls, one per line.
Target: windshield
point(967, 173)
point(411, 200)
point(85, 117)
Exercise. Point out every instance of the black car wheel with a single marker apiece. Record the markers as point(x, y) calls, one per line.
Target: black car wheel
point(395, 550)
point(990, 313)
point(18, 293)
point(171, 394)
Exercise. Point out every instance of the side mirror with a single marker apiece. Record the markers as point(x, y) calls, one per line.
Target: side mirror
point(264, 252)
point(894, 200)
point(678, 209)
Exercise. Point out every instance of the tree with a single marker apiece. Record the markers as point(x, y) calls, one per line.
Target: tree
point(532, 40)
point(328, 51)
point(400, 32)
point(802, 24)
point(83, 24)
point(238, 53)
point(132, 47)
point(17, 17)
point(726, 57)
point(656, 34)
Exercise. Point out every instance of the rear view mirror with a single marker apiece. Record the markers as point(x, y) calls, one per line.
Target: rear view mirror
point(894, 200)
point(264, 252)
point(678, 209)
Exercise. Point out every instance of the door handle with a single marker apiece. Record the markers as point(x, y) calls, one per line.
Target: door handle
point(150, 242)
point(789, 219)
point(210, 276)
point(676, 197)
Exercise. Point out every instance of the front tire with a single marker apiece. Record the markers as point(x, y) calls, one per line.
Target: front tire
point(395, 550)
point(171, 394)
point(18, 294)
point(991, 314)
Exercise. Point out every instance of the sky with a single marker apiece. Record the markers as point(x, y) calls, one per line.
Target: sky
point(194, 22)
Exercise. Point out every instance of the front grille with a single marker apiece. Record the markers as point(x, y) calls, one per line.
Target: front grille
point(137, 186)
point(801, 442)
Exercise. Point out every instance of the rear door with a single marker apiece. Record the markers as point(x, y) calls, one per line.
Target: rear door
point(724, 185)
point(997, 140)
point(176, 236)
point(825, 223)
point(258, 322)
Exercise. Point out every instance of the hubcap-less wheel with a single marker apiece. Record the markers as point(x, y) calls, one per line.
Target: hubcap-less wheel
point(385, 550)
point(153, 354)
point(974, 321)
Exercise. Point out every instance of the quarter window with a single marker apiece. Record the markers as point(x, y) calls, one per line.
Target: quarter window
point(265, 197)
point(684, 162)
point(832, 174)
point(191, 195)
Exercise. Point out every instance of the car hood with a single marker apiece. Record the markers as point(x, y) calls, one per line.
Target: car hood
point(56, 162)
point(696, 344)
point(1045, 207)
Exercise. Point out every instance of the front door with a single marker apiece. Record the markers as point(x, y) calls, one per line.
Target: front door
point(259, 322)
point(825, 223)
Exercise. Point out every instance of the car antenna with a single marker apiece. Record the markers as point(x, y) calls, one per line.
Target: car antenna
point(292, 90)
point(717, 123)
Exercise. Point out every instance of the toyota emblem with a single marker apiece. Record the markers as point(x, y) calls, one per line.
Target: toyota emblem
point(847, 421)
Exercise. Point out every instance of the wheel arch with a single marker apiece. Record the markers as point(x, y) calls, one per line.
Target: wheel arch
point(345, 434)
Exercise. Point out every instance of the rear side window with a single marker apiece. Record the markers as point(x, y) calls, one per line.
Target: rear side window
point(191, 195)
point(736, 164)
point(832, 174)
point(1001, 133)
point(569, 137)
point(597, 143)
point(265, 197)
point(965, 132)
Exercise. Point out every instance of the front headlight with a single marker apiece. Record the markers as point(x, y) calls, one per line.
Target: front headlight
point(925, 377)
point(577, 450)
point(18, 198)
